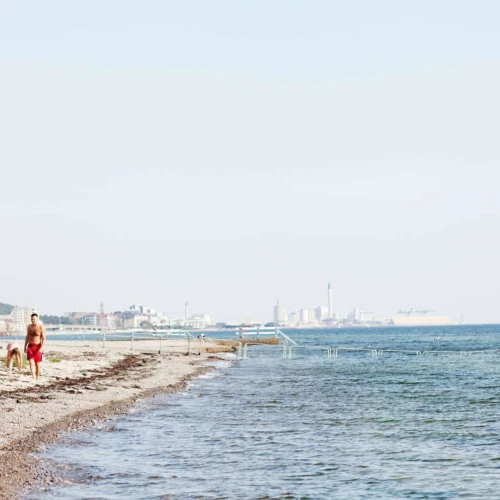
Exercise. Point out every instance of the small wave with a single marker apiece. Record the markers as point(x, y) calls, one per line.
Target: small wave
point(344, 429)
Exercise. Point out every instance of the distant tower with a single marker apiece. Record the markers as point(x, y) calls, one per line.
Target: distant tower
point(330, 302)
point(102, 320)
point(186, 310)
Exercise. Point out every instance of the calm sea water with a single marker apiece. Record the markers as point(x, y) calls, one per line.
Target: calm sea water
point(397, 426)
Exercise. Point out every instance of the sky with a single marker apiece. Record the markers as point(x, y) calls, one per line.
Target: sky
point(232, 154)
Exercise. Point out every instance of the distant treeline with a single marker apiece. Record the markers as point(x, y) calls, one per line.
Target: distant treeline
point(5, 308)
point(55, 320)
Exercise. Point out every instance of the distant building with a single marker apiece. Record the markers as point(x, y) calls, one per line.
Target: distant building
point(106, 321)
point(279, 314)
point(90, 319)
point(134, 321)
point(307, 316)
point(21, 318)
point(312, 316)
point(138, 308)
point(118, 320)
point(82, 318)
point(356, 314)
point(330, 302)
point(322, 313)
point(5, 323)
point(137, 314)
point(198, 321)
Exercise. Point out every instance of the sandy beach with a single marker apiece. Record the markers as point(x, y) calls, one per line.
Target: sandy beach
point(82, 384)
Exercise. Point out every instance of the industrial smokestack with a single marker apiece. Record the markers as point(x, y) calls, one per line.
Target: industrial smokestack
point(186, 311)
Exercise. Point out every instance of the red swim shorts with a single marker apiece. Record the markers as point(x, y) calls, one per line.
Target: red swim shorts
point(33, 352)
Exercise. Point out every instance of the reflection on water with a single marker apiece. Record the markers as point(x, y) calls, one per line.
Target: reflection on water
point(399, 426)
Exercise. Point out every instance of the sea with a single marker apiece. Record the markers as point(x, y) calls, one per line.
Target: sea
point(414, 415)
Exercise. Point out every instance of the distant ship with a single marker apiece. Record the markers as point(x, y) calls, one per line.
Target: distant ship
point(418, 317)
point(420, 320)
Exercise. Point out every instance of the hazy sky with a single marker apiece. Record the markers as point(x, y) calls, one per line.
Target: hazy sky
point(231, 153)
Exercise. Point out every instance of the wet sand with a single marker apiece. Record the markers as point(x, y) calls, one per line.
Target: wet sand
point(82, 384)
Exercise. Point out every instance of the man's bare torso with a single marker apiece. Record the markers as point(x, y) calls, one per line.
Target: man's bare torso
point(35, 334)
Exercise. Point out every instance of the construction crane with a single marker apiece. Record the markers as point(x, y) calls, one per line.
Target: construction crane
point(414, 310)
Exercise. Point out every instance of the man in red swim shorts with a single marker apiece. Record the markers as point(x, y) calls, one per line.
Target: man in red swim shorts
point(33, 346)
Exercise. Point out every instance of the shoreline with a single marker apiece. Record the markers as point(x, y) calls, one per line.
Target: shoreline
point(80, 388)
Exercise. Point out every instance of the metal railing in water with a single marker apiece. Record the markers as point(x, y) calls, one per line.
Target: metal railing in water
point(381, 352)
point(314, 347)
point(288, 346)
point(258, 332)
point(354, 349)
point(159, 336)
point(462, 353)
point(243, 349)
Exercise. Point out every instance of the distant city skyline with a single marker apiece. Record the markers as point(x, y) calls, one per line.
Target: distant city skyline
point(281, 311)
point(327, 316)
point(233, 153)
point(14, 319)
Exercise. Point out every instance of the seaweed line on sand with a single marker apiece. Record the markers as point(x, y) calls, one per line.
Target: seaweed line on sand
point(21, 472)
